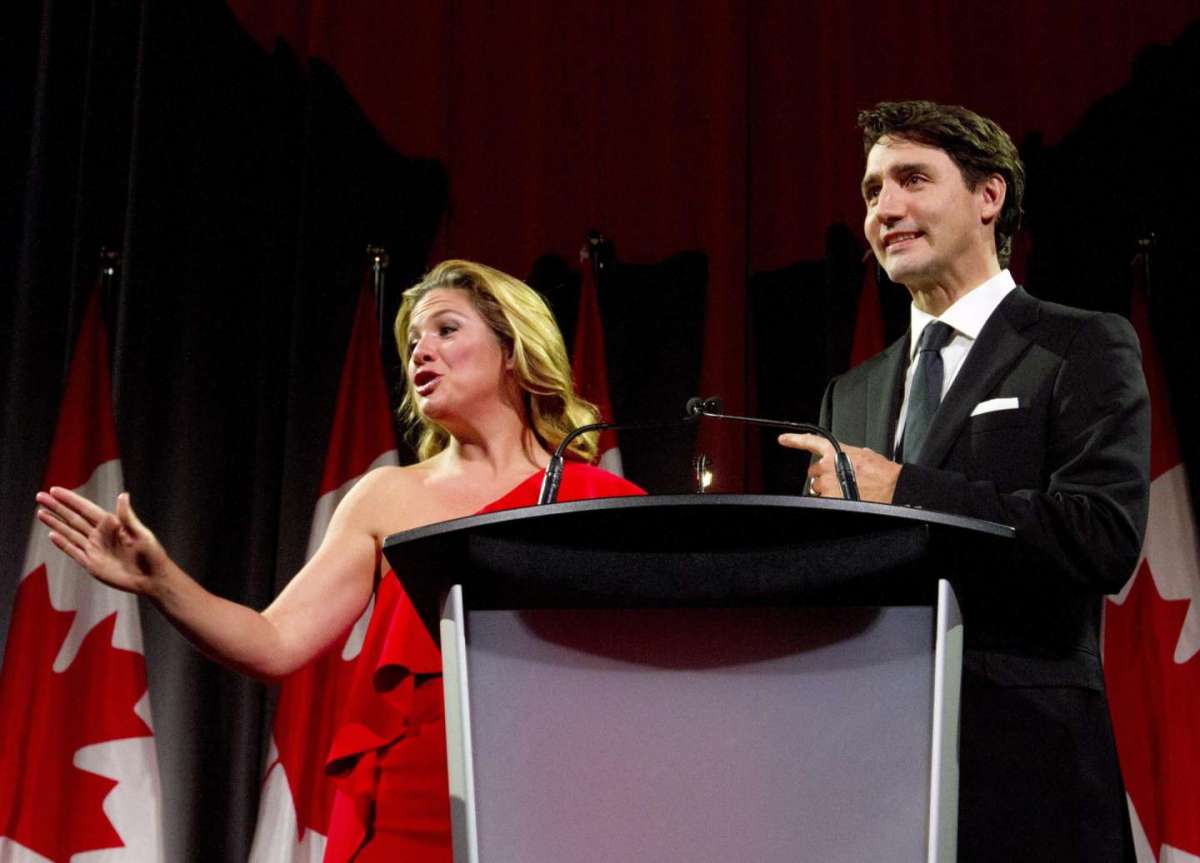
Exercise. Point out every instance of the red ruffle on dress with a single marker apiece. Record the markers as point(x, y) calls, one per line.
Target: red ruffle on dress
point(389, 751)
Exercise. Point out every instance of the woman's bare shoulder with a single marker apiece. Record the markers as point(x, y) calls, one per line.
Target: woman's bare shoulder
point(390, 477)
point(382, 487)
point(386, 499)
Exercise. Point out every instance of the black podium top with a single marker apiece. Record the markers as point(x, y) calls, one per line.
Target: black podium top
point(689, 551)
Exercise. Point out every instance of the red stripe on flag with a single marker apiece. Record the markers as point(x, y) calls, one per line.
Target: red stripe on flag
point(868, 324)
point(589, 365)
point(85, 436)
point(362, 428)
point(1164, 447)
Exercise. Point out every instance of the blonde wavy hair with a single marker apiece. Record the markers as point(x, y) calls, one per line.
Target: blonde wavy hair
point(525, 326)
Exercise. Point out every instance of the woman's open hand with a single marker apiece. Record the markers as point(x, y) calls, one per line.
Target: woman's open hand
point(115, 548)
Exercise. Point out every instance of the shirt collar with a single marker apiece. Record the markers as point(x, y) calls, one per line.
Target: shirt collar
point(968, 314)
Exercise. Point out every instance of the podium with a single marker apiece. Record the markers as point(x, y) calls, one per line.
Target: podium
point(699, 677)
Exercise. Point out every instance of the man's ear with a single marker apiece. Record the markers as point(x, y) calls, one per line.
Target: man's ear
point(991, 192)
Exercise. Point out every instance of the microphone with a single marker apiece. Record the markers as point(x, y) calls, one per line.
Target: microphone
point(711, 407)
point(697, 407)
point(554, 470)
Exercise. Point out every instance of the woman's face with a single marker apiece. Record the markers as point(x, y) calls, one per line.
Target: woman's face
point(455, 362)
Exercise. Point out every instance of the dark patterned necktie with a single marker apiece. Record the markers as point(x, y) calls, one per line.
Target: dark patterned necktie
point(926, 392)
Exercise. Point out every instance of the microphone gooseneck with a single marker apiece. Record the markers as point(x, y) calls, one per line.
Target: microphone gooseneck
point(554, 470)
point(711, 408)
point(696, 408)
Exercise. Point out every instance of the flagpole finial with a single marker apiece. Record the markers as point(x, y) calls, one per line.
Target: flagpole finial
point(110, 264)
point(110, 261)
point(378, 260)
point(1145, 246)
point(378, 256)
point(598, 249)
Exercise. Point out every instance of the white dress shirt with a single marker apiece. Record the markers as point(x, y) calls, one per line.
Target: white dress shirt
point(967, 316)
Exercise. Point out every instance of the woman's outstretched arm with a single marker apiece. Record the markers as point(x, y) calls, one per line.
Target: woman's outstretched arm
point(319, 603)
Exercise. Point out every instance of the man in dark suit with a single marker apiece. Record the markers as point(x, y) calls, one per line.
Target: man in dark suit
point(999, 406)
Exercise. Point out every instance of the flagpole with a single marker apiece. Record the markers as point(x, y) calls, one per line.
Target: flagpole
point(378, 259)
point(105, 285)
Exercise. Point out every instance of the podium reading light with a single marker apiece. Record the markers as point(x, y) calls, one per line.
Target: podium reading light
point(704, 474)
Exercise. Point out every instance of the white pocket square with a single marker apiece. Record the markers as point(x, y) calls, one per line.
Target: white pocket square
point(991, 405)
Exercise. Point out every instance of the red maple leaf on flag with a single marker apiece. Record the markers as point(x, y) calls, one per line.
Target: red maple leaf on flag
point(43, 727)
point(1158, 760)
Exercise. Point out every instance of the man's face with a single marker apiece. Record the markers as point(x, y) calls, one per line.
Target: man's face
point(923, 223)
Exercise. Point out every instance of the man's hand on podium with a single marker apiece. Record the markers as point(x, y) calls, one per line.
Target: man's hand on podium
point(876, 475)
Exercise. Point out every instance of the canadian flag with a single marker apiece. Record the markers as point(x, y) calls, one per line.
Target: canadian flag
point(1152, 649)
point(297, 795)
point(589, 366)
point(78, 769)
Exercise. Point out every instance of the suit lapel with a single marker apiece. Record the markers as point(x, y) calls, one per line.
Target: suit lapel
point(885, 391)
point(1000, 344)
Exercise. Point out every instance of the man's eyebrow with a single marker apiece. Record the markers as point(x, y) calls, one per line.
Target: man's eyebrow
point(898, 169)
point(906, 168)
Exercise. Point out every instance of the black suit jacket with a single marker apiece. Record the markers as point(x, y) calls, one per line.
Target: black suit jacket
point(1068, 468)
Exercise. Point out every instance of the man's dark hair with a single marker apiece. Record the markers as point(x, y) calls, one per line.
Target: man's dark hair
point(976, 145)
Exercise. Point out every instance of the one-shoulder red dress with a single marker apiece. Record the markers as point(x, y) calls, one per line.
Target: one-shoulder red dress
point(388, 755)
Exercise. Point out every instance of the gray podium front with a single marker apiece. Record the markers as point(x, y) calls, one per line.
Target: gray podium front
point(698, 678)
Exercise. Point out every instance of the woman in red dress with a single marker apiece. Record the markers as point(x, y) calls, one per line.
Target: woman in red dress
point(489, 387)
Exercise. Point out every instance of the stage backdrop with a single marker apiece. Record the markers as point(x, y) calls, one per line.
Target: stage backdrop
point(240, 158)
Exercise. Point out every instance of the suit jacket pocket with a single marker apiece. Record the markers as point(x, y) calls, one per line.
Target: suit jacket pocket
point(1007, 448)
point(996, 420)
